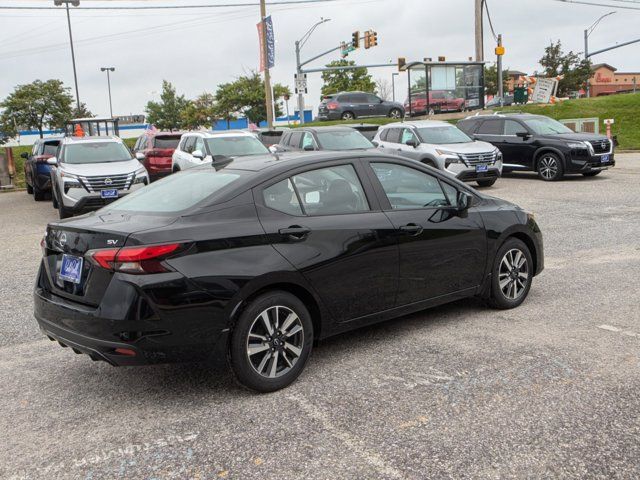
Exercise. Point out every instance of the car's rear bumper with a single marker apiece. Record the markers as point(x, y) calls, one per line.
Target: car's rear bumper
point(330, 115)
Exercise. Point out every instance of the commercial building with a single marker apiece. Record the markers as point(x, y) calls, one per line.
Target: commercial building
point(607, 80)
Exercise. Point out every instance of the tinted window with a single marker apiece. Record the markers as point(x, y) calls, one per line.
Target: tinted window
point(308, 141)
point(330, 191)
point(383, 134)
point(408, 188)
point(282, 197)
point(96, 152)
point(294, 139)
point(442, 135)
point(344, 99)
point(189, 143)
point(547, 126)
point(359, 98)
point(437, 95)
point(491, 127)
point(50, 148)
point(373, 99)
point(236, 146)
point(394, 135)
point(165, 142)
point(343, 140)
point(176, 192)
point(511, 127)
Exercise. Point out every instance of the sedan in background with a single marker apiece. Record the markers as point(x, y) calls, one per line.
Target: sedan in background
point(255, 261)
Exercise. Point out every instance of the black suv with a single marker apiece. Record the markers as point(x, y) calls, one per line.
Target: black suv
point(350, 105)
point(541, 144)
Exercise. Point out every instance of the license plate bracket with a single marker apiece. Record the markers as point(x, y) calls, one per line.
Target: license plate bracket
point(71, 268)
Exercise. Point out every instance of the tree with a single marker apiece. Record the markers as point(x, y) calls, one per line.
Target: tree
point(82, 112)
point(383, 89)
point(491, 79)
point(576, 71)
point(246, 96)
point(346, 80)
point(200, 112)
point(167, 113)
point(34, 106)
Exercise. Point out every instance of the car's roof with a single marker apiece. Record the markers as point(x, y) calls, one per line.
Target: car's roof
point(221, 133)
point(503, 115)
point(94, 139)
point(418, 123)
point(325, 129)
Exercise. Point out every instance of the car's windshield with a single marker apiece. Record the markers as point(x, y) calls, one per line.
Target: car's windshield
point(96, 152)
point(546, 126)
point(175, 193)
point(343, 140)
point(166, 141)
point(235, 146)
point(442, 135)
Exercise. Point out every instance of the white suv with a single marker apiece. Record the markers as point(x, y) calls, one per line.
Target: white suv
point(90, 172)
point(442, 146)
point(199, 148)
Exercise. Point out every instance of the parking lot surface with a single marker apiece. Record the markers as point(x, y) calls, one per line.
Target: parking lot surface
point(550, 389)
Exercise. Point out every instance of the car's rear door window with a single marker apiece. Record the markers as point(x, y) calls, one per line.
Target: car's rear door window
point(408, 188)
point(282, 197)
point(394, 135)
point(511, 127)
point(491, 127)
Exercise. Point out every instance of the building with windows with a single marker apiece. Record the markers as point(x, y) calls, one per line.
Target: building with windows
point(607, 80)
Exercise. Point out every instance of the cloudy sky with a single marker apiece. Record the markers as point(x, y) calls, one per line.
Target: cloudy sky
point(198, 49)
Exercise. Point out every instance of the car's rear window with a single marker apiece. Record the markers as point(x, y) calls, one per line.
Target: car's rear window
point(96, 152)
point(177, 192)
point(343, 140)
point(166, 141)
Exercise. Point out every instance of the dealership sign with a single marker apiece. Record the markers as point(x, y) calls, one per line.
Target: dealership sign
point(265, 29)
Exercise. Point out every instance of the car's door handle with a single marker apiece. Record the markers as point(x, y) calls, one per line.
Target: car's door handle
point(295, 231)
point(411, 229)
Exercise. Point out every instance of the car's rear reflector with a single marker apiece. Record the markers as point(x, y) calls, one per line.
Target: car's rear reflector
point(125, 351)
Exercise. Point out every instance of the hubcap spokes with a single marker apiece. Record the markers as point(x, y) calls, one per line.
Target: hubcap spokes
point(275, 341)
point(548, 167)
point(513, 274)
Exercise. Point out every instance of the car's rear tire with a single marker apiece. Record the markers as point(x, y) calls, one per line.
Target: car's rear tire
point(592, 174)
point(271, 342)
point(550, 167)
point(38, 195)
point(486, 183)
point(511, 275)
point(176, 169)
point(29, 189)
point(348, 116)
point(395, 113)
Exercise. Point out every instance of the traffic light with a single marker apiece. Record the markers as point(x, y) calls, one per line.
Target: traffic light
point(373, 39)
point(442, 59)
point(355, 39)
point(367, 39)
point(402, 64)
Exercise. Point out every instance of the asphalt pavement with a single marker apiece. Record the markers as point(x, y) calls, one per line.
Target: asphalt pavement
point(550, 389)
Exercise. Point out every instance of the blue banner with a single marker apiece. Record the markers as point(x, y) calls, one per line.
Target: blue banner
point(271, 42)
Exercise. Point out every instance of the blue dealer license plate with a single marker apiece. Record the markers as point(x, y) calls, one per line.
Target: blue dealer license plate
point(112, 193)
point(483, 167)
point(604, 159)
point(71, 268)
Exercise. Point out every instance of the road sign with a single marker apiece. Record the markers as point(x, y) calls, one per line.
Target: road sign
point(544, 90)
point(301, 83)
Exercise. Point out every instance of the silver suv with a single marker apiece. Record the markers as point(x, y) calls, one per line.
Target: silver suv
point(443, 146)
point(90, 172)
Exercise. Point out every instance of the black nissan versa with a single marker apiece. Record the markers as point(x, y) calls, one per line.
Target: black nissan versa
point(258, 259)
point(541, 144)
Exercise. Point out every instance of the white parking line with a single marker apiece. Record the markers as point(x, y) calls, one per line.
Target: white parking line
point(611, 328)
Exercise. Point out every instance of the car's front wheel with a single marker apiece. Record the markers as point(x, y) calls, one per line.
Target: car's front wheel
point(38, 195)
point(395, 113)
point(511, 275)
point(550, 167)
point(486, 183)
point(271, 342)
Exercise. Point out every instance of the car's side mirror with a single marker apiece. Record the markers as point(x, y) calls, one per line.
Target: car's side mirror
point(523, 135)
point(140, 156)
point(412, 142)
point(465, 200)
point(198, 154)
point(52, 161)
point(24, 155)
point(375, 144)
point(308, 148)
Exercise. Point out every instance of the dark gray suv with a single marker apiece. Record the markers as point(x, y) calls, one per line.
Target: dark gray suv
point(350, 105)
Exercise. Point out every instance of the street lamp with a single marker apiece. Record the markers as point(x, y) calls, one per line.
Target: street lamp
point(75, 3)
point(588, 32)
point(393, 85)
point(109, 69)
point(299, 44)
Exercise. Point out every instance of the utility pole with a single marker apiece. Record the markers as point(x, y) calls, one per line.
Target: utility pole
point(75, 3)
point(393, 85)
point(500, 52)
point(299, 78)
point(267, 75)
point(479, 31)
point(587, 32)
point(109, 69)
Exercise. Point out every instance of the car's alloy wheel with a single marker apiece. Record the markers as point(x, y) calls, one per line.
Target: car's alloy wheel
point(395, 113)
point(549, 167)
point(348, 116)
point(512, 274)
point(271, 342)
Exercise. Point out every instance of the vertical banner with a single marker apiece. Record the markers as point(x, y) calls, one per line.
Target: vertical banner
point(270, 61)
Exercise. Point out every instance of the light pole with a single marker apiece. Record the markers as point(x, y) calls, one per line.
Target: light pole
point(588, 32)
point(393, 85)
point(108, 70)
point(75, 3)
point(299, 44)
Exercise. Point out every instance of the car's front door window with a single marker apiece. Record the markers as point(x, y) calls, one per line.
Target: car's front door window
point(408, 188)
point(407, 135)
point(308, 142)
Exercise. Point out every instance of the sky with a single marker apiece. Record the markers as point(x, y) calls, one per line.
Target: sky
point(198, 49)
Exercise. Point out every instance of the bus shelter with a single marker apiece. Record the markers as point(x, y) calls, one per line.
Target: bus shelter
point(438, 87)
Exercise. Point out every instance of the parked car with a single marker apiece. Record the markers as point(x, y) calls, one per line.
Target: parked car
point(200, 148)
point(268, 137)
point(350, 105)
point(155, 151)
point(495, 101)
point(442, 146)
point(37, 172)
point(541, 144)
point(257, 260)
point(439, 101)
point(323, 138)
point(369, 130)
point(91, 172)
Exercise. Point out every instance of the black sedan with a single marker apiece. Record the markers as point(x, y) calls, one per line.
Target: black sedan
point(258, 259)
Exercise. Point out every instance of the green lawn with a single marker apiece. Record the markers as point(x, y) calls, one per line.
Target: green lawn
point(623, 108)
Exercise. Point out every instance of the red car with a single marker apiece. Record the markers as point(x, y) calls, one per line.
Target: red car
point(440, 101)
point(154, 150)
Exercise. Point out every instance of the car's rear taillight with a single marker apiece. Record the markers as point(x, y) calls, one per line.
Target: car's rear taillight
point(139, 259)
point(333, 105)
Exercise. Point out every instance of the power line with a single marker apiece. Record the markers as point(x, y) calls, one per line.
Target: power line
point(493, 32)
point(165, 7)
point(580, 2)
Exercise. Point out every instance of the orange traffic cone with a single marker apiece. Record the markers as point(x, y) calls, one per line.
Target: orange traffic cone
point(78, 131)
